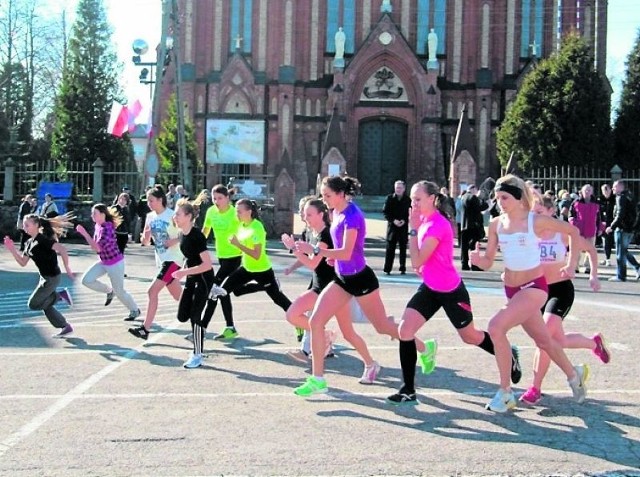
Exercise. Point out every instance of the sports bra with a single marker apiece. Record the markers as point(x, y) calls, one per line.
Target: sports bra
point(520, 249)
point(553, 250)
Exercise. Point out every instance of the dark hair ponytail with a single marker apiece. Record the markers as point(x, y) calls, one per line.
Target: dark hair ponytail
point(444, 207)
point(440, 202)
point(345, 184)
point(321, 207)
point(159, 193)
point(251, 205)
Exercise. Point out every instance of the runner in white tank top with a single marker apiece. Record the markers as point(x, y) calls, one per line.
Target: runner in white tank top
point(526, 288)
point(553, 255)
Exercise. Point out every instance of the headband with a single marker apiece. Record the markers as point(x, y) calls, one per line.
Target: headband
point(516, 192)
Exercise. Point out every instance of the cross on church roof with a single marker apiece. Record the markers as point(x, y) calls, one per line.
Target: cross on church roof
point(238, 41)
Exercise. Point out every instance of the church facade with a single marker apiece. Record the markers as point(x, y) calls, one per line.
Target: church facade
point(265, 81)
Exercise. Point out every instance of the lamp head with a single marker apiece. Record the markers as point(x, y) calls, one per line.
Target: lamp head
point(140, 47)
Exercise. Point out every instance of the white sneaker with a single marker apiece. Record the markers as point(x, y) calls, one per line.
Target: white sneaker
point(370, 373)
point(607, 263)
point(216, 292)
point(637, 274)
point(194, 361)
point(579, 383)
point(502, 402)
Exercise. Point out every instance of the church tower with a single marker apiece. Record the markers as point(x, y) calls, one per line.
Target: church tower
point(262, 80)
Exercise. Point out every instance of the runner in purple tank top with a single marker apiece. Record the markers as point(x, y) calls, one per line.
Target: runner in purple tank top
point(354, 279)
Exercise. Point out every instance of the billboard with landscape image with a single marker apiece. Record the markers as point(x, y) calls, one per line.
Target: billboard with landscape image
point(235, 141)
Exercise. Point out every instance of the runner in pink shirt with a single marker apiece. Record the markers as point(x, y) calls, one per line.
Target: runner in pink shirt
point(431, 252)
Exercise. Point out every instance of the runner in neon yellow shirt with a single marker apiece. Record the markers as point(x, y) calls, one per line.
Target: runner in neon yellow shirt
point(255, 273)
point(222, 219)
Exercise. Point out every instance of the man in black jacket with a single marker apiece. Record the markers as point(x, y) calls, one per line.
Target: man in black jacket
point(396, 212)
point(624, 218)
point(471, 224)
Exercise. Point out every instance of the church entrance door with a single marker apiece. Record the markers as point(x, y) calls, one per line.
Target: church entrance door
point(382, 155)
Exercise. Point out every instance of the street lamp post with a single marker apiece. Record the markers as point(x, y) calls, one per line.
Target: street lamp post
point(140, 47)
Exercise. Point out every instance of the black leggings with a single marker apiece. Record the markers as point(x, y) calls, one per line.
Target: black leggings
point(227, 267)
point(242, 282)
point(192, 302)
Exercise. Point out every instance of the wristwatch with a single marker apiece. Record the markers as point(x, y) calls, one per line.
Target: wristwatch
point(316, 250)
point(413, 233)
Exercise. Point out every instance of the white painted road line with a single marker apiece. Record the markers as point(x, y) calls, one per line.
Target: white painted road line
point(75, 393)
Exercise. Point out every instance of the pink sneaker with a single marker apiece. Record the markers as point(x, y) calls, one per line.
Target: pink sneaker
point(601, 350)
point(370, 373)
point(531, 396)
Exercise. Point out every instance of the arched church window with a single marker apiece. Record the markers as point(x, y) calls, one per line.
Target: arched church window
point(531, 33)
point(341, 13)
point(240, 28)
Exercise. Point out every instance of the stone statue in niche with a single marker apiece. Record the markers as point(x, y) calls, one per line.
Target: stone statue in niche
point(432, 46)
point(340, 39)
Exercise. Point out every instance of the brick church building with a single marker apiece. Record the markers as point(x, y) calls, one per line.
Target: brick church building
point(373, 87)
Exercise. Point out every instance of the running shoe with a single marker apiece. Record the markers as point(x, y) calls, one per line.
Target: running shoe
point(109, 298)
point(228, 333)
point(516, 369)
point(299, 334)
point(312, 386)
point(299, 356)
point(133, 314)
point(531, 396)
point(66, 297)
point(579, 383)
point(601, 350)
point(65, 332)
point(370, 373)
point(403, 399)
point(502, 402)
point(194, 361)
point(139, 332)
point(216, 292)
point(427, 359)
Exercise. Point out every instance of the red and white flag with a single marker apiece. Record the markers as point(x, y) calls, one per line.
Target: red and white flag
point(118, 119)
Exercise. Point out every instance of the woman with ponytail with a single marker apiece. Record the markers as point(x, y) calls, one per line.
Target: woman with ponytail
point(354, 279)
point(316, 216)
point(198, 271)
point(43, 248)
point(255, 272)
point(160, 228)
point(517, 232)
point(222, 219)
point(111, 261)
point(431, 253)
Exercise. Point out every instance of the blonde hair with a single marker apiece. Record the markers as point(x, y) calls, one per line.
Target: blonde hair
point(515, 181)
point(53, 227)
point(191, 208)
